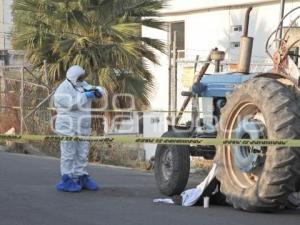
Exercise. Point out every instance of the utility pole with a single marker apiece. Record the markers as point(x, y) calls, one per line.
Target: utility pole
point(170, 74)
point(174, 80)
point(22, 103)
point(282, 8)
point(172, 94)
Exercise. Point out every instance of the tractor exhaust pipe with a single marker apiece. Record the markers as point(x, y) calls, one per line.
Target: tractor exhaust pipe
point(246, 47)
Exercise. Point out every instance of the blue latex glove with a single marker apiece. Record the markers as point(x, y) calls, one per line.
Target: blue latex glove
point(100, 92)
point(90, 94)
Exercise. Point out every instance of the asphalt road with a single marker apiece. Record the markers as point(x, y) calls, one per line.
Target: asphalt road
point(28, 197)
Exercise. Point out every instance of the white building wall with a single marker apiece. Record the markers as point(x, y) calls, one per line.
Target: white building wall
point(5, 24)
point(181, 6)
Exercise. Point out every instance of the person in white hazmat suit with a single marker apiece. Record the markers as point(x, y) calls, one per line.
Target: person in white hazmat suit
point(73, 100)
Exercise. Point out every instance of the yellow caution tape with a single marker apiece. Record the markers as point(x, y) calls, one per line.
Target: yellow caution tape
point(130, 139)
point(105, 110)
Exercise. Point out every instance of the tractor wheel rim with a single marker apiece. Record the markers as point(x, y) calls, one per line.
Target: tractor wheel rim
point(244, 164)
point(248, 158)
point(167, 164)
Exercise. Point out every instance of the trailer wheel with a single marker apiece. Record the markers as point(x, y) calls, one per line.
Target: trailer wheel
point(259, 178)
point(172, 166)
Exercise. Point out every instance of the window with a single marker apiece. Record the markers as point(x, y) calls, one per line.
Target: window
point(178, 27)
point(234, 44)
point(294, 54)
point(4, 57)
point(237, 28)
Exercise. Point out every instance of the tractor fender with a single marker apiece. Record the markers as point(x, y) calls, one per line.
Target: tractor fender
point(284, 79)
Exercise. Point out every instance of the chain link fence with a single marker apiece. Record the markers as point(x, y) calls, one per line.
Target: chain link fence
point(19, 96)
point(26, 108)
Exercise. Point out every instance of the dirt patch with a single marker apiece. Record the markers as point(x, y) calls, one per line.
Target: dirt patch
point(199, 162)
point(118, 154)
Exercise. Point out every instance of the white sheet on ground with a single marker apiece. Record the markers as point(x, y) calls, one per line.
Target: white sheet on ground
point(294, 198)
point(163, 200)
point(191, 196)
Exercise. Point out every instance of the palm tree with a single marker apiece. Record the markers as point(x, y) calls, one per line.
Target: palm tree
point(103, 36)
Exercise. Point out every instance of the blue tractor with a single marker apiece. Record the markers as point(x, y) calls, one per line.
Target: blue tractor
point(244, 106)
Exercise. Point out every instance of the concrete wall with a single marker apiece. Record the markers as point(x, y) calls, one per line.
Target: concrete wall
point(5, 24)
point(192, 5)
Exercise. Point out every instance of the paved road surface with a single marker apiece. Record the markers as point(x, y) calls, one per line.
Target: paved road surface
point(28, 197)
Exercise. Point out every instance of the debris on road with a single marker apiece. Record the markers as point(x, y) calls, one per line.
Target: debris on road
point(208, 187)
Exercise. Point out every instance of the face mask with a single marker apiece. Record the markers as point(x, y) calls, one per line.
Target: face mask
point(79, 83)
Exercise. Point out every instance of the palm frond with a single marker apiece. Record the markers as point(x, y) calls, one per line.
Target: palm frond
point(103, 36)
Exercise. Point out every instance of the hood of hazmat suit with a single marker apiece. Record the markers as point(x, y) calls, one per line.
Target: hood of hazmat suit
point(73, 107)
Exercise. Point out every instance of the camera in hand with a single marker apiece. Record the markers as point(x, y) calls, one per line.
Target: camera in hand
point(98, 94)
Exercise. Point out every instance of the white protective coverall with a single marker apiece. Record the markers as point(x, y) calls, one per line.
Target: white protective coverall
point(73, 118)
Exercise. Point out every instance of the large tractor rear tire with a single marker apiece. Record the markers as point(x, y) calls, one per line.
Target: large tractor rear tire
point(259, 178)
point(172, 166)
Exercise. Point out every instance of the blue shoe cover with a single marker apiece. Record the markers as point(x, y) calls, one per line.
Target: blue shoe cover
point(67, 184)
point(86, 182)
